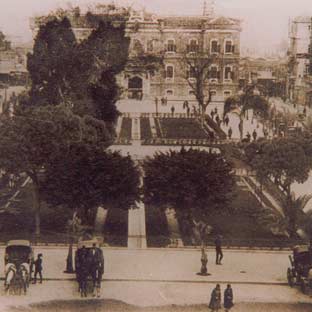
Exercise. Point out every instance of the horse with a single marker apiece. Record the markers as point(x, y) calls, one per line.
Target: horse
point(10, 273)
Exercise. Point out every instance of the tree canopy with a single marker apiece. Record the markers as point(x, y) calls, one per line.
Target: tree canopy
point(82, 75)
point(50, 64)
point(89, 178)
point(284, 160)
point(191, 181)
point(35, 138)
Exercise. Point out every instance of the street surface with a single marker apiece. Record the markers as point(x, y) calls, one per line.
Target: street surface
point(175, 265)
point(147, 294)
point(161, 277)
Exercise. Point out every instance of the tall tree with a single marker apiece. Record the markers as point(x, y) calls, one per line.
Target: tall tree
point(198, 63)
point(285, 161)
point(49, 65)
point(193, 182)
point(35, 138)
point(97, 61)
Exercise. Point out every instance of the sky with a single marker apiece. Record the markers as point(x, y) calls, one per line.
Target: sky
point(265, 22)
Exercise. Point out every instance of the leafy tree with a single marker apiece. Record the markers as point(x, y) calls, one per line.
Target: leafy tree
point(49, 65)
point(285, 161)
point(246, 101)
point(80, 75)
point(97, 61)
point(35, 138)
point(88, 178)
point(193, 182)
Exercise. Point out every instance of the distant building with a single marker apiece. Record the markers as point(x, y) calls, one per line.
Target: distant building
point(299, 55)
point(172, 37)
point(269, 73)
point(12, 63)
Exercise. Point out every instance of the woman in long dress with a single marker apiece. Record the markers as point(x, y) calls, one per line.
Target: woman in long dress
point(215, 300)
point(228, 298)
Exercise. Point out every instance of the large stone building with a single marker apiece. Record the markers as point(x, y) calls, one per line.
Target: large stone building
point(299, 85)
point(173, 38)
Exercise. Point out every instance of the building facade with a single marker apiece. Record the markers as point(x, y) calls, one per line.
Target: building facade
point(173, 38)
point(299, 60)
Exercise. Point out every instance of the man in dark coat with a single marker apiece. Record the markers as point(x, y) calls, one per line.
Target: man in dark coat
point(97, 267)
point(228, 298)
point(38, 268)
point(215, 300)
point(219, 253)
point(230, 132)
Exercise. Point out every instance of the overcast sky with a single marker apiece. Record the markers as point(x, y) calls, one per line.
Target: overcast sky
point(265, 21)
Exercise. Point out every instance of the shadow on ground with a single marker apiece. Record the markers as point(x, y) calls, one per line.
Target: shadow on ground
point(96, 305)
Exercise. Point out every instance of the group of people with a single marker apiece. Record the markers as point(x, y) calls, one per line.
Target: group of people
point(215, 299)
point(89, 262)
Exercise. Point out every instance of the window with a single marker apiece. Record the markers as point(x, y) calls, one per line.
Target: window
point(193, 46)
point(191, 73)
point(227, 94)
point(169, 92)
point(229, 47)
point(214, 48)
point(169, 72)
point(227, 73)
point(213, 72)
point(191, 92)
point(171, 47)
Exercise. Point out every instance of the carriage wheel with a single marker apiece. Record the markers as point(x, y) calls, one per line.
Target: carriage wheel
point(303, 286)
point(290, 277)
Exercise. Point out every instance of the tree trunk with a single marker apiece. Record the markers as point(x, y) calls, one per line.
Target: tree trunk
point(36, 206)
point(241, 127)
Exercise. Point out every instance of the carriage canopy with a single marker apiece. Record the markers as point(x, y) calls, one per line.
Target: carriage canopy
point(18, 251)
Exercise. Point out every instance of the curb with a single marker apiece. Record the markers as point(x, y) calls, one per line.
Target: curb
point(272, 283)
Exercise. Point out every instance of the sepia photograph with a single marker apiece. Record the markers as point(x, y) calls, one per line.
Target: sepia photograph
point(155, 156)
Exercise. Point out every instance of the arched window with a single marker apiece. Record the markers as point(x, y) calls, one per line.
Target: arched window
point(228, 46)
point(169, 71)
point(214, 46)
point(135, 83)
point(228, 72)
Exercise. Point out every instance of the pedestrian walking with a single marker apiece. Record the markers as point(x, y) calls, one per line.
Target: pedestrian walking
point(230, 132)
point(254, 135)
point(215, 299)
point(226, 120)
point(38, 268)
point(172, 110)
point(216, 110)
point(248, 136)
point(219, 253)
point(188, 111)
point(212, 114)
point(185, 104)
point(228, 298)
point(218, 119)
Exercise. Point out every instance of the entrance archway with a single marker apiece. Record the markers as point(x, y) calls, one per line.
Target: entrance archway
point(135, 88)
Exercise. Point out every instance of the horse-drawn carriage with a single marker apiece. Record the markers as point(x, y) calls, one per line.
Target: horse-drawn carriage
point(89, 264)
point(300, 272)
point(18, 261)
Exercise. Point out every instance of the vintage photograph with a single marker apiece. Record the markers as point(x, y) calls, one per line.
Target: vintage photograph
point(155, 155)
